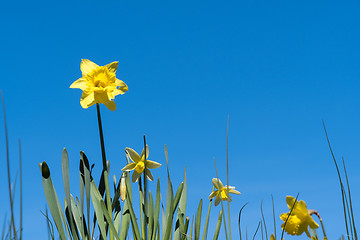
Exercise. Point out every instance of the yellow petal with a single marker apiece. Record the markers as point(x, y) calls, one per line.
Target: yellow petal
point(213, 194)
point(129, 167)
point(312, 223)
point(121, 84)
point(284, 216)
point(104, 99)
point(217, 183)
point(111, 105)
point(143, 152)
point(234, 191)
point(217, 200)
point(80, 83)
point(135, 177)
point(133, 155)
point(87, 66)
point(148, 174)
point(87, 99)
point(150, 164)
point(272, 237)
point(290, 200)
point(116, 92)
point(112, 66)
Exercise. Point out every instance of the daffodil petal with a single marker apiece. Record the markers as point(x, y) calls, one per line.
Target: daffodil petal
point(148, 174)
point(213, 194)
point(143, 152)
point(217, 200)
point(312, 223)
point(284, 216)
point(80, 83)
point(87, 66)
point(135, 177)
point(133, 155)
point(217, 183)
point(129, 167)
point(234, 191)
point(290, 200)
point(112, 66)
point(121, 84)
point(151, 164)
point(111, 105)
point(87, 99)
point(116, 92)
point(104, 99)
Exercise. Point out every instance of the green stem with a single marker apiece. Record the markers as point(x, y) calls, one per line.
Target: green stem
point(105, 170)
point(12, 221)
point(145, 193)
point(207, 219)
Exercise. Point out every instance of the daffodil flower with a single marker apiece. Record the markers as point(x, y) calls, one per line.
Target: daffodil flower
point(99, 84)
point(299, 220)
point(138, 164)
point(221, 192)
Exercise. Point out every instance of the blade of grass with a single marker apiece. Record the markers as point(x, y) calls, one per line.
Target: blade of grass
point(263, 218)
point(222, 205)
point(218, 226)
point(240, 217)
point(257, 229)
point(273, 207)
point(227, 174)
point(21, 203)
point(157, 209)
point(207, 220)
point(340, 181)
point(8, 167)
point(350, 202)
point(198, 220)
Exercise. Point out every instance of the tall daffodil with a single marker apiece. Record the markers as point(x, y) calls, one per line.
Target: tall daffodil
point(99, 84)
point(221, 192)
point(138, 164)
point(299, 220)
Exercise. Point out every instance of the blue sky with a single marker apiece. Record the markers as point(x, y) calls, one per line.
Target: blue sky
point(276, 68)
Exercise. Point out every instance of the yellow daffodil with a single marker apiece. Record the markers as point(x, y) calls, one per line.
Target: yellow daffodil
point(138, 164)
point(299, 220)
point(221, 192)
point(99, 84)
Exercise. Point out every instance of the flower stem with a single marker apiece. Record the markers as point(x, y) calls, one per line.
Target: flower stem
point(105, 168)
point(311, 212)
point(101, 137)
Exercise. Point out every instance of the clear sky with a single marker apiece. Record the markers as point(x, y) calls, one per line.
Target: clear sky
point(276, 67)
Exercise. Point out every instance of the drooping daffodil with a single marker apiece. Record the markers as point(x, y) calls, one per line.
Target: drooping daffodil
point(138, 164)
point(299, 220)
point(99, 84)
point(221, 192)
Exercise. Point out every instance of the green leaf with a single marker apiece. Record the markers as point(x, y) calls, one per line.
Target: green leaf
point(198, 221)
point(96, 198)
point(66, 181)
point(52, 199)
point(157, 210)
point(218, 225)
